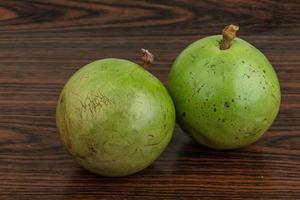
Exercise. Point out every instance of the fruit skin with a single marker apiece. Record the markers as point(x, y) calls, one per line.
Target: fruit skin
point(225, 99)
point(114, 117)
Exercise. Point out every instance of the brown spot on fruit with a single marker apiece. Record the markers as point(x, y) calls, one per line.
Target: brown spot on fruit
point(94, 102)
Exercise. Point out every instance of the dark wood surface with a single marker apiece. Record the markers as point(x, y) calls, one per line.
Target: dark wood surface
point(42, 43)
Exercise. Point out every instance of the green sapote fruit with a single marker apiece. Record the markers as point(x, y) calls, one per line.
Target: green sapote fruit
point(114, 117)
point(226, 92)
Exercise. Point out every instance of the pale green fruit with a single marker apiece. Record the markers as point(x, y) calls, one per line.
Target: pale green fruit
point(114, 117)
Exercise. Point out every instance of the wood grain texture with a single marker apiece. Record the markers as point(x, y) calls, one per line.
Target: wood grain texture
point(43, 42)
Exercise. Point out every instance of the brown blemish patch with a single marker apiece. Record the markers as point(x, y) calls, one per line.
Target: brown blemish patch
point(93, 103)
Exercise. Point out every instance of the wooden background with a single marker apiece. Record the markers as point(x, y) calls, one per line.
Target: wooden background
point(43, 42)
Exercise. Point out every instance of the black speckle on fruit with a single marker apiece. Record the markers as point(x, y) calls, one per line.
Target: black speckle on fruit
point(236, 138)
point(223, 120)
point(243, 61)
point(264, 71)
point(245, 107)
point(232, 100)
point(183, 114)
point(226, 105)
point(215, 110)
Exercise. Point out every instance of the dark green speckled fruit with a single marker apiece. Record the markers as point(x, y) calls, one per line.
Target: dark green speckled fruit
point(114, 117)
point(226, 92)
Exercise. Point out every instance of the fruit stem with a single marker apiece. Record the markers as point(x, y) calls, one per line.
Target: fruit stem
point(147, 58)
point(229, 33)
